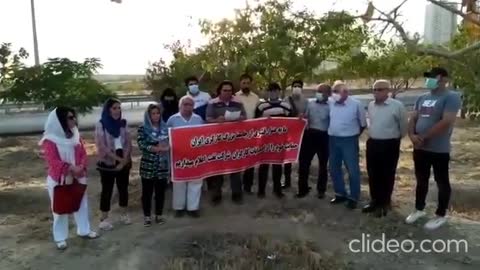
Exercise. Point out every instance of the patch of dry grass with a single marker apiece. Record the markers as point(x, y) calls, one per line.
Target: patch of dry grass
point(248, 252)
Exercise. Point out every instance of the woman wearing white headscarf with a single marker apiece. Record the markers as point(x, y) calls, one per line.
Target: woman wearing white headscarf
point(66, 158)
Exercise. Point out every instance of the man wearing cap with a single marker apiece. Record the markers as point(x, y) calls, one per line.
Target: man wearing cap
point(430, 130)
point(347, 122)
point(315, 142)
point(388, 124)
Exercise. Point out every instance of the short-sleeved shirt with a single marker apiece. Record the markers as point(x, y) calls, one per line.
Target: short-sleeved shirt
point(347, 118)
point(273, 109)
point(298, 105)
point(318, 115)
point(201, 99)
point(430, 108)
point(217, 108)
point(177, 120)
point(388, 120)
point(250, 102)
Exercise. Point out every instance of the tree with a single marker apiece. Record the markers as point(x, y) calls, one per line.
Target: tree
point(269, 41)
point(380, 59)
point(276, 43)
point(462, 56)
point(159, 75)
point(59, 81)
point(9, 63)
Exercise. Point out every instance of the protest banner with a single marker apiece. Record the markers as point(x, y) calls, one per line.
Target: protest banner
point(201, 151)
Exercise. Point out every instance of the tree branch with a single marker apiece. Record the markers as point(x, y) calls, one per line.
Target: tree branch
point(412, 44)
point(450, 8)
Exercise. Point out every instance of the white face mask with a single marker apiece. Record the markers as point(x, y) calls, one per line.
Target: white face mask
point(319, 96)
point(193, 89)
point(336, 97)
point(297, 91)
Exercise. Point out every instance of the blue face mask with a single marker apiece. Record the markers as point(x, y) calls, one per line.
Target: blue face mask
point(431, 83)
point(193, 89)
point(319, 96)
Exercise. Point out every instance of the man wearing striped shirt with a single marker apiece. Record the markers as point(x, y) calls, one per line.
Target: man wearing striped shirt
point(272, 107)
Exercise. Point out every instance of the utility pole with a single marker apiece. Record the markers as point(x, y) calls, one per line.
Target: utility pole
point(35, 40)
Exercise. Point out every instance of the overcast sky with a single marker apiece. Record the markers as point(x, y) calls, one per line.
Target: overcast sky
point(129, 35)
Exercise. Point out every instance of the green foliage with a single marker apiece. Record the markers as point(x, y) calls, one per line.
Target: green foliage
point(9, 63)
point(384, 60)
point(59, 81)
point(466, 71)
point(270, 41)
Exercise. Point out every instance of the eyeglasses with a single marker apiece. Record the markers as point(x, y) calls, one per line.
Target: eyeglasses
point(188, 104)
point(379, 89)
point(71, 117)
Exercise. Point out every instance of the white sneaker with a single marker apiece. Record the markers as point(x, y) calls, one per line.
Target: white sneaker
point(90, 235)
point(125, 219)
point(105, 225)
point(61, 245)
point(435, 223)
point(413, 217)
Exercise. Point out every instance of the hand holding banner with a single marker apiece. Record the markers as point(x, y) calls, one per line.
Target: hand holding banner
point(202, 151)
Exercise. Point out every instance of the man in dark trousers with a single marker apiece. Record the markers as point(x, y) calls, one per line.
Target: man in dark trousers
point(272, 107)
point(388, 124)
point(315, 142)
point(298, 104)
point(430, 130)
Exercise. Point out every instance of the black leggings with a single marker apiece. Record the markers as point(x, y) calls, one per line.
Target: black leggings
point(108, 179)
point(149, 186)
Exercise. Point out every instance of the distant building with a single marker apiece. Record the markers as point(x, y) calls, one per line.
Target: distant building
point(440, 24)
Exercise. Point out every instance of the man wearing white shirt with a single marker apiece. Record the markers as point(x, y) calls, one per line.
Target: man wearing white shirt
point(250, 101)
point(200, 98)
point(347, 122)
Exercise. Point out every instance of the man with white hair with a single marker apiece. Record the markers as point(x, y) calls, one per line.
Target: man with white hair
point(388, 124)
point(186, 195)
point(347, 122)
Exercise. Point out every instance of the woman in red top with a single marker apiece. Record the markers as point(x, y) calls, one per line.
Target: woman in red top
point(67, 160)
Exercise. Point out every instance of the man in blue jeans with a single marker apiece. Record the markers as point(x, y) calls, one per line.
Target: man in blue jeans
point(347, 122)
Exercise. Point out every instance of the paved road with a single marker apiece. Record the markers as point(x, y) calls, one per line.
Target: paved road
point(21, 123)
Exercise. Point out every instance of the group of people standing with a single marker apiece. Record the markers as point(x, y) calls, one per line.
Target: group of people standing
point(334, 123)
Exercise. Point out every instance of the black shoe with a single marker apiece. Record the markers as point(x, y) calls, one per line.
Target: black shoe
point(179, 213)
point(369, 208)
point(216, 200)
point(300, 195)
point(237, 198)
point(248, 191)
point(338, 200)
point(194, 214)
point(279, 194)
point(381, 212)
point(351, 204)
point(321, 195)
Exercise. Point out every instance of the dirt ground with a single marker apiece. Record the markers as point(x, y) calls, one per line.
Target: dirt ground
point(260, 234)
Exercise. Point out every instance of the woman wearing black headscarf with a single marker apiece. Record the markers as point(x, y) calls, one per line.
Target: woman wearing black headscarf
point(169, 101)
